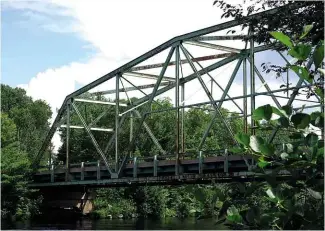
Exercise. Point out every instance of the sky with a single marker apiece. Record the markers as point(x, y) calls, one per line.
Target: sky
point(52, 48)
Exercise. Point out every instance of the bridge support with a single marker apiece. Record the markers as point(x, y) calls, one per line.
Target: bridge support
point(76, 197)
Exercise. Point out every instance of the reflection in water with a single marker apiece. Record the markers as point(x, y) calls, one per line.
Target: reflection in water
point(117, 224)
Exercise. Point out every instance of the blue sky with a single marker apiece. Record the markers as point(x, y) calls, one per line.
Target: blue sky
point(28, 49)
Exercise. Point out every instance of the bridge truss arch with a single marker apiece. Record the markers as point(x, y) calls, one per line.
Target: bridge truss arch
point(180, 66)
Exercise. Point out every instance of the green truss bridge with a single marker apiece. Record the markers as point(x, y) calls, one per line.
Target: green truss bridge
point(173, 66)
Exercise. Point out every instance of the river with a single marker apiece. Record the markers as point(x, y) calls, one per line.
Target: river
point(117, 224)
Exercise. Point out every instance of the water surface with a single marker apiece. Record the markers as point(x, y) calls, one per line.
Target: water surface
point(117, 224)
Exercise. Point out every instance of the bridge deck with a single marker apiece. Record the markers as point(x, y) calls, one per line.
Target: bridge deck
point(159, 172)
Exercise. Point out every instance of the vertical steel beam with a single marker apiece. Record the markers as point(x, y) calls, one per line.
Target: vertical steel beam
point(183, 109)
point(245, 93)
point(226, 163)
point(98, 169)
point(82, 172)
point(177, 110)
point(183, 118)
point(50, 158)
point(252, 80)
point(288, 82)
point(52, 173)
point(117, 99)
point(67, 164)
point(131, 127)
point(135, 167)
point(155, 166)
point(200, 163)
point(211, 87)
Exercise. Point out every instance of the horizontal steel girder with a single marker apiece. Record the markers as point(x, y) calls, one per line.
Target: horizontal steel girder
point(93, 129)
point(183, 61)
point(148, 76)
point(99, 102)
point(221, 37)
point(126, 89)
point(213, 46)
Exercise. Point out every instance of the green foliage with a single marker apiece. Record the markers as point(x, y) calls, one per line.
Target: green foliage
point(301, 50)
point(282, 38)
point(297, 203)
point(16, 199)
point(24, 124)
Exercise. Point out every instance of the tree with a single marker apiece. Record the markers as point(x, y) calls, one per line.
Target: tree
point(16, 199)
point(30, 117)
point(24, 124)
point(298, 202)
point(286, 21)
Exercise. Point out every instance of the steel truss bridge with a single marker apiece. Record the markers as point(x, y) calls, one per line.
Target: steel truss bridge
point(179, 167)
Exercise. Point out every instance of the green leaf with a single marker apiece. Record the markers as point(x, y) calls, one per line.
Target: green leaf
point(302, 72)
point(263, 112)
point(316, 195)
point(266, 149)
point(283, 122)
point(255, 143)
point(282, 38)
point(320, 152)
point(242, 138)
point(233, 215)
point(306, 30)
point(311, 139)
point(320, 92)
point(236, 150)
point(318, 55)
point(300, 120)
point(287, 109)
point(262, 163)
point(270, 193)
point(317, 119)
point(300, 52)
point(278, 112)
